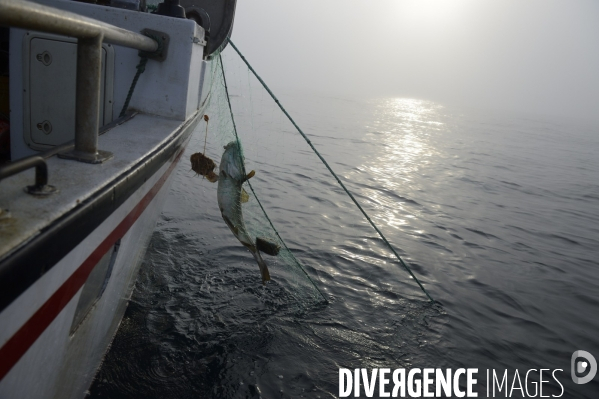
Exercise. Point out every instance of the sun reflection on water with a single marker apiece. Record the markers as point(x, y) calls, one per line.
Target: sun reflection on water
point(406, 129)
point(405, 125)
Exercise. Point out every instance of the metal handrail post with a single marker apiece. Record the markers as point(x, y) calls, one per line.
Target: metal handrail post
point(89, 69)
point(87, 108)
point(90, 34)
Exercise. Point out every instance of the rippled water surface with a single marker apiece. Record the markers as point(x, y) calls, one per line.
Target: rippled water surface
point(496, 214)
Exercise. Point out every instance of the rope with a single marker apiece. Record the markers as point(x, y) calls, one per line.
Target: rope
point(141, 67)
point(206, 135)
point(333, 173)
point(250, 185)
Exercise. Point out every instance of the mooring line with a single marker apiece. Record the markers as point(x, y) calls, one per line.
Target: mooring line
point(331, 170)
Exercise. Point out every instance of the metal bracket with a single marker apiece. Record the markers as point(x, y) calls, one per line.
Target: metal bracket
point(163, 40)
point(197, 40)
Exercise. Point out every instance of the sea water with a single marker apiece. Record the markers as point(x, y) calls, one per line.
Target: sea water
point(496, 213)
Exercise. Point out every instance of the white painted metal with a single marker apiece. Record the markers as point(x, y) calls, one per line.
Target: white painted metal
point(77, 181)
point(167, 88)
point(33, 15)
point(60, 365)
point(57, 77)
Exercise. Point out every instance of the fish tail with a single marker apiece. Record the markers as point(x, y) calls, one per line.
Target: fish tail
point(263, 267)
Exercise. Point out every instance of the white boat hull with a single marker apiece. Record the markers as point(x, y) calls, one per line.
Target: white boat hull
point(64, 364)
point(69, 260)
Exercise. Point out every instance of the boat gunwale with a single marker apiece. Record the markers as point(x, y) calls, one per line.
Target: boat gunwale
point(24, 265)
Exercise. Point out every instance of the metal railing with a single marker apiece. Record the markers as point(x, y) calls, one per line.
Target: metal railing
point(41, 186)
point(90, 34)
point(28, 15)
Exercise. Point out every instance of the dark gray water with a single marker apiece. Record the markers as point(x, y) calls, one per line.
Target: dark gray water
point(498, 215)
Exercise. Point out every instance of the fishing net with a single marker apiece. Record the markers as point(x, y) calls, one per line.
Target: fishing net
point(231, 119)
point(242, 110)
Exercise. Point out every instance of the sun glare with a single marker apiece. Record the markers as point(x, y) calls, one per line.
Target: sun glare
point(432, 14)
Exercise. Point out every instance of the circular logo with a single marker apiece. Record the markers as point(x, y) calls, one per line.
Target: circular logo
point(579, 366)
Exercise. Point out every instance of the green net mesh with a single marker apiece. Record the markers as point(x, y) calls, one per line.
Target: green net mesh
point(230, 107)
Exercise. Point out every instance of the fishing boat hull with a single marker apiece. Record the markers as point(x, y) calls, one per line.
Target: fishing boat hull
point(69, 258)
point(59, 328)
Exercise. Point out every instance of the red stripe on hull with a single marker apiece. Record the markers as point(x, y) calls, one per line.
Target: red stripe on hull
point(22, 340)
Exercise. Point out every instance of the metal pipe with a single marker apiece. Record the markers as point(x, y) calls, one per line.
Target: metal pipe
point(28, 15)
point(17, 167)
point(90, 34)
point(41, 186)
point(68, 146)
point(87, 107)
point(41, 170)
point(89, 70)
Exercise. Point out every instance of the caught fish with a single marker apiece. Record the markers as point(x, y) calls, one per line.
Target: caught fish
point(230, 179)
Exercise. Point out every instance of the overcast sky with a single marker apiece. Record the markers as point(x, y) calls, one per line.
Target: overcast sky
point(530, 55)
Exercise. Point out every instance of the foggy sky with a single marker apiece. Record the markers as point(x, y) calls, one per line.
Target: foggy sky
point(540, 56)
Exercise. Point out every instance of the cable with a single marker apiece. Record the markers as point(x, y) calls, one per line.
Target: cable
point(333, 173)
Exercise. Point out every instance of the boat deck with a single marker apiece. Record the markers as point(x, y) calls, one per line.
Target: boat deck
point(76, 182)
